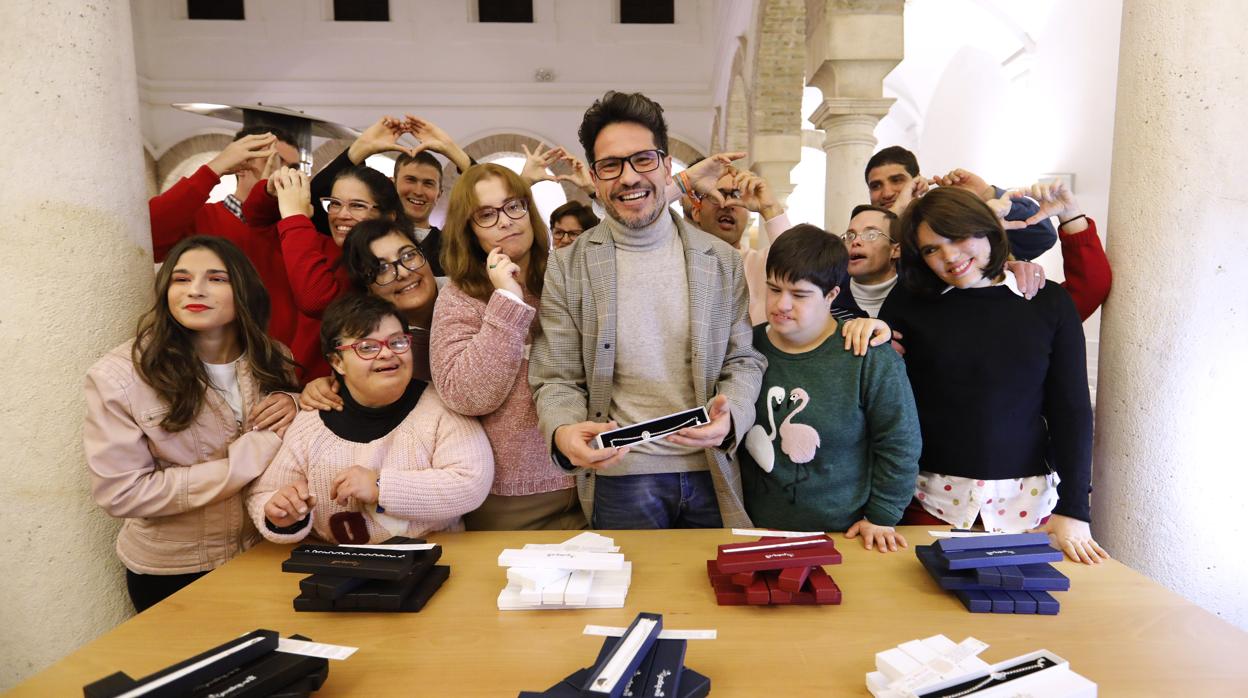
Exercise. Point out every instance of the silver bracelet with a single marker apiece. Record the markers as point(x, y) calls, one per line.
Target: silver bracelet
point(1040, 663)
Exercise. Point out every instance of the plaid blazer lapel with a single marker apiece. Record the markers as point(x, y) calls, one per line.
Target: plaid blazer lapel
point(701, 268)
point(600, 267)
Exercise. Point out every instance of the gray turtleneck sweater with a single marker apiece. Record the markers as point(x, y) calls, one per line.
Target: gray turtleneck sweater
point(653, 372)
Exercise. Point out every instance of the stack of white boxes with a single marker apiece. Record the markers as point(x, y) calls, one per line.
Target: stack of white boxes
point(910, 666)
point(586, 571)
point(937, 666)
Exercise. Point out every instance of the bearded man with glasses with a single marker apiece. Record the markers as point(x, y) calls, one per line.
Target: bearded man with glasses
point(643, 317)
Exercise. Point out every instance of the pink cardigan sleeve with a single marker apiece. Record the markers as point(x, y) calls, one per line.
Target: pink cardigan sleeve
point(458, 479)
point(288, 466)
point(476, 359)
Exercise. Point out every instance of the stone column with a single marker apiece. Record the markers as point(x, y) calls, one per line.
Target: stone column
point(774, 157)
point(77, 271)
point(849, 140)
point(850, 46)
point(1170, 461)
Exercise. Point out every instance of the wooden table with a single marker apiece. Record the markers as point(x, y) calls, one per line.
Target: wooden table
point(1116, 627)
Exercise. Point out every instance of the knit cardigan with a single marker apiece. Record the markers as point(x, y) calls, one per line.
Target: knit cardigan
point(480, 368)
point(435, 466)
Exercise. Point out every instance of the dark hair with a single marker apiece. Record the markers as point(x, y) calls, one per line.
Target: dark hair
point(616, 107)
point(953, 213)
point(383, 192)
point(354, 315)
point(424, 157)
point(357, 253)
point(282, 134)
point(584, 214)
point(893, 155)
point(862, 208)
point(164, 354)
point(462, 259)
point(808, 253)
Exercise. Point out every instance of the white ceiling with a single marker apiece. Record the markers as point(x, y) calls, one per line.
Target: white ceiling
point(434, 60)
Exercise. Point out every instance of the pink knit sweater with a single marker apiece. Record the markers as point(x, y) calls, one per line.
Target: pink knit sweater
point(477, 354)
point(434, 467)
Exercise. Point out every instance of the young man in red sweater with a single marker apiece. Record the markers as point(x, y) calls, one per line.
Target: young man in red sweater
point(183, 211)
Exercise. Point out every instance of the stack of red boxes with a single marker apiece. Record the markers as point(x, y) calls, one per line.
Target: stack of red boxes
point(775, 571)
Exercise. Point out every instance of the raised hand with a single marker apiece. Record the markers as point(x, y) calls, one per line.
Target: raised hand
point(293, 190)
point(240, 154)
point(964, 179)
point(536, 162)
point(580, 174)
point(503, 273)
point(433, 138)
point(382, 137)
point(756, 194)
point(704, 176)
point(1055, 199)
point(918, 187)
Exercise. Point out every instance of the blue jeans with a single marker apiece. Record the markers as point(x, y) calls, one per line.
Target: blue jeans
point(661, 500)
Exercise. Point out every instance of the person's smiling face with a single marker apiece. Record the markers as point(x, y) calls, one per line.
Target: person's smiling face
point(634, 199)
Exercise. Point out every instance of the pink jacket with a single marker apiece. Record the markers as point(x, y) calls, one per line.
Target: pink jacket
point(180, 493)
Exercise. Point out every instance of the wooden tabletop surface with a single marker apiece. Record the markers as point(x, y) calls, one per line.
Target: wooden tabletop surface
point(1116, 627)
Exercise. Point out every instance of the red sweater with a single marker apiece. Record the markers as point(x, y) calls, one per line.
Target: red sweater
point(306, 279)
point(182, 212)
point(1088, 276)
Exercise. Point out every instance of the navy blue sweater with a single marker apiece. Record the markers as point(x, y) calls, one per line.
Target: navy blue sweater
point(1001, 385)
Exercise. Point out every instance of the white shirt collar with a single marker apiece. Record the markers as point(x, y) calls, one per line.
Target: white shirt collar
point(1009, 282)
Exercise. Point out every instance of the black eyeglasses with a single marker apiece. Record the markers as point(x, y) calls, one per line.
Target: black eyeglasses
point(560, 234)
point(487, 216)
point(641, 162)
point(388, 270)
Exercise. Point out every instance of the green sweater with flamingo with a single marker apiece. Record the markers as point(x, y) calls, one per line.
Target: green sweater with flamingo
point(836, 439)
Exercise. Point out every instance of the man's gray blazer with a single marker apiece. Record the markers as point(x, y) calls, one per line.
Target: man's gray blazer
point(573, 361)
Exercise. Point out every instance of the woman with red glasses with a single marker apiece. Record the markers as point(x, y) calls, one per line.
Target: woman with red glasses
point(182, 417)
point(494, 251)
point(393, 462)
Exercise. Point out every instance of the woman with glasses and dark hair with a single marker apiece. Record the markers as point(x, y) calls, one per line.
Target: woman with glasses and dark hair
point(494, 251)
point(1000, 382)
point(311, 256)
point(182, 417)
point(393, 462)
point(385, 261)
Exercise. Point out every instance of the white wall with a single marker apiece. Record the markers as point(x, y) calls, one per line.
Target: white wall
point(1011, 90)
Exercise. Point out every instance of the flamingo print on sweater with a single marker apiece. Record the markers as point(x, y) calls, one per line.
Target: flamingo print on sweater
point(847, 433)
